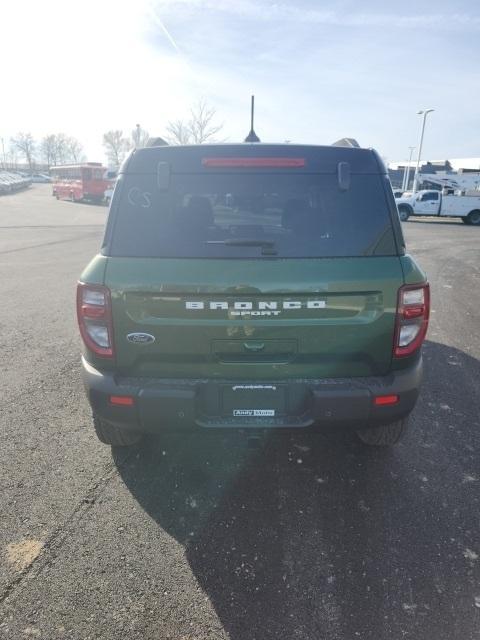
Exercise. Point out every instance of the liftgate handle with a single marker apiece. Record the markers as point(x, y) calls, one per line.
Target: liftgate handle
point(254, 346)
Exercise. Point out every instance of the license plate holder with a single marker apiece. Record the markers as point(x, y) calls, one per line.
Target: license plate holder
point(254, 400)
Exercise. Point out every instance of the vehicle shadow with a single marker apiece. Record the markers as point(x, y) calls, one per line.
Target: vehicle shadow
point(316, 536)
point(435, 220)
point(89, 203)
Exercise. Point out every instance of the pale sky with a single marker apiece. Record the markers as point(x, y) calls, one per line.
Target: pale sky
point(320, 70)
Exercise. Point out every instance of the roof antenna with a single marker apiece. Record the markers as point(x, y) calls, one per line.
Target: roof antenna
point(252, 136)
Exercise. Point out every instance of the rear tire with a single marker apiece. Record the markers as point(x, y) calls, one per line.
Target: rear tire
point(384, 436)
point(108, 434)
point(474, 217)
point(403, 213)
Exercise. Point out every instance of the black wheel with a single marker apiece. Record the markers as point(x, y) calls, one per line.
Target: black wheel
point(403, 213)
point(474, 217)
point(385, 435)
point(108, 434)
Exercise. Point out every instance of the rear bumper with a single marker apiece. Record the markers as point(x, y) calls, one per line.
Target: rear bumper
point(161, 404)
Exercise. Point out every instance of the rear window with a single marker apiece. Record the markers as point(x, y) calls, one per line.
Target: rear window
point(251, 215)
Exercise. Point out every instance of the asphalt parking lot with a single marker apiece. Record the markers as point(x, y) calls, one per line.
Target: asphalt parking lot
point(304, 537)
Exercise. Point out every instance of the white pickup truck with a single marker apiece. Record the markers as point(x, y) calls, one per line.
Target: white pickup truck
point(434, 203)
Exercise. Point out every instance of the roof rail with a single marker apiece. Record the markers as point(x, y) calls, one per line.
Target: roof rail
point(346, 142)
point(157, 142)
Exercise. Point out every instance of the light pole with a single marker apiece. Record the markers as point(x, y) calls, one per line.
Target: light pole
point(406, 175)
point(425, 113)
point(137, 135)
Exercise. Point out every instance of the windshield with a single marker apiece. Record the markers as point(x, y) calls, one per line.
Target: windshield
point(251, 215)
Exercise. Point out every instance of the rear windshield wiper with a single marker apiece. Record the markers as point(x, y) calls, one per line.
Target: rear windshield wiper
point(266, 245)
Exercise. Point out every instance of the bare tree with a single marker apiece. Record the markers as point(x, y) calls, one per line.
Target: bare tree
point(178, 132)
point(199, 128)
point(74, 150)
point(140, 137)
point(25, 144)
point(61, 148)
point(12, 156)
point(116, 146)
point(201, 123)
point(48, 149)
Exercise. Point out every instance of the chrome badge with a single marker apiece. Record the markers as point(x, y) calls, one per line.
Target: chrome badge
point(141, 338)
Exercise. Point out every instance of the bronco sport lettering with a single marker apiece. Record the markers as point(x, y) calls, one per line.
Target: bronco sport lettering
point(263, 308)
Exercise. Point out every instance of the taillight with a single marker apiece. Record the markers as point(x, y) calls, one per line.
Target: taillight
point(413, 310)
point(94, 313)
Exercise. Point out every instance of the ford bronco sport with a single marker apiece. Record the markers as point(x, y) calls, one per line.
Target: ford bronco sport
point(252, 286)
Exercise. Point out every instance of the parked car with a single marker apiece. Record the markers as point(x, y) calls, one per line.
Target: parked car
point(40, 177)
point(111, 176)
point(5, 186)
point(107, 196)
point(252, 287)
point(11, 181)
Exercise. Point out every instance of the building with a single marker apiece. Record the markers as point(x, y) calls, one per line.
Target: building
point(452, 167)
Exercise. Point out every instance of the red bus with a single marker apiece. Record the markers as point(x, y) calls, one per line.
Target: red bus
point(80, 182)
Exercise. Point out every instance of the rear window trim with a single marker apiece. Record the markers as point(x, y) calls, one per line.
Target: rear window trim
point(248, 170)
point(111, 224)
point(249, 258)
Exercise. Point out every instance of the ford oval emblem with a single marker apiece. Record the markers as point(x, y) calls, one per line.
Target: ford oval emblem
point(140, 338)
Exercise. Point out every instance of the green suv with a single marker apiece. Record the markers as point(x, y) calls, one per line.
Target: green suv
point(252, 286)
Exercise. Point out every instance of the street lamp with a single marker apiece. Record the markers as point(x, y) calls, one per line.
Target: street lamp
point(406, 175)
point(423, 112)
